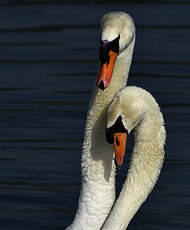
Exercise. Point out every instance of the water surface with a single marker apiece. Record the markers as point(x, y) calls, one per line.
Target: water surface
point(48, 63)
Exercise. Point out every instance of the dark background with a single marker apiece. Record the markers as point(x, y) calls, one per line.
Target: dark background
point(48, 64)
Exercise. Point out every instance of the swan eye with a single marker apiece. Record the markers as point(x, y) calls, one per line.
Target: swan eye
point(105, 47)
point(117, 127)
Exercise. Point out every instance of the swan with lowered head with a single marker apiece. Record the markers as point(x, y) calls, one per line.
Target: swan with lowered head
point(97, 193)
point(135, 108)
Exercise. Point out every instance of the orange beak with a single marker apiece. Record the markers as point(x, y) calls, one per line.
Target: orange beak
point(106, 70)
point(120, 147)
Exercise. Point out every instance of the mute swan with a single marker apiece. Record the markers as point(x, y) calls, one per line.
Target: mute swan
point(135, 108)
point(97, 193)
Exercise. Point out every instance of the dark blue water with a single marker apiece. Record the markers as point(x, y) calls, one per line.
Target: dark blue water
point(48, 64)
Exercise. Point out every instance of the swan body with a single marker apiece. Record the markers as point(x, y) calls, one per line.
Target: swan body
point(137, 110)
point(97, 192)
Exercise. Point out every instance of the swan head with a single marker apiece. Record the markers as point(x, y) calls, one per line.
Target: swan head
point(125, 112)
point(117, 32)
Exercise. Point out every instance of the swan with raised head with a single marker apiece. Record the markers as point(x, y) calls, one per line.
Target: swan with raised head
point(97, 193)
point(135, 108)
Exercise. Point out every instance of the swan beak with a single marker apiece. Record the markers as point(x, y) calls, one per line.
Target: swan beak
point(106, 70)
point(120, 147)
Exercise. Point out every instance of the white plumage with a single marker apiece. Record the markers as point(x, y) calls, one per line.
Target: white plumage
point(97, 193)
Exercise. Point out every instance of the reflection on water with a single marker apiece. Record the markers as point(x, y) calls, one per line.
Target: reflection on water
point(48, 63)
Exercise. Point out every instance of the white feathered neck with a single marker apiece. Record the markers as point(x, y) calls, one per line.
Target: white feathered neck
point(98, 170)
point(137, 106)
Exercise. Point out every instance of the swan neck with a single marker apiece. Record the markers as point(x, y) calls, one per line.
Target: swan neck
point(146, 163)
point(122, 66)
point(98, 169)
